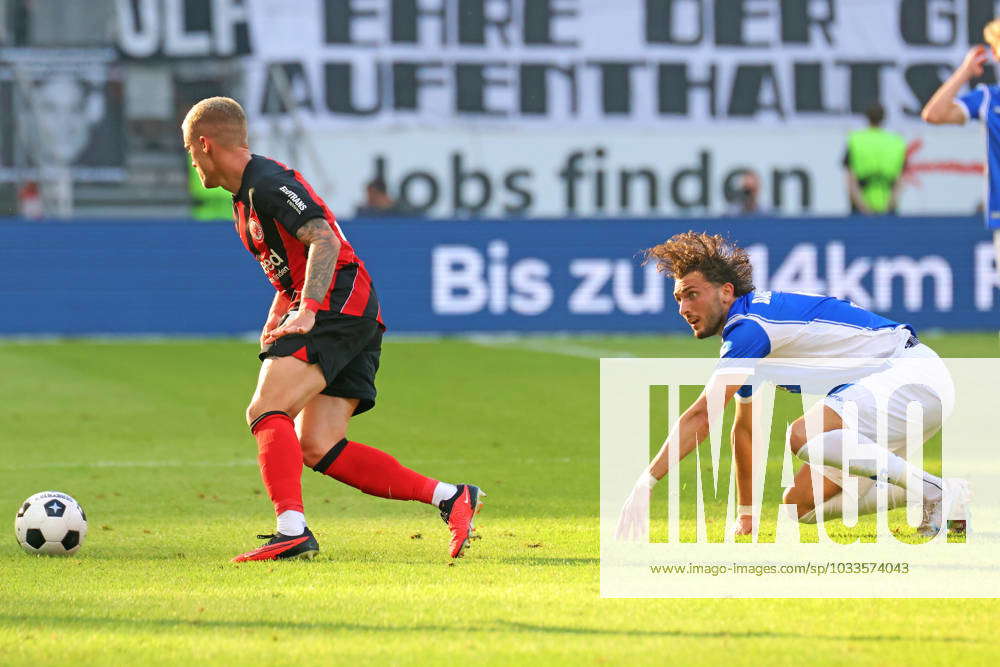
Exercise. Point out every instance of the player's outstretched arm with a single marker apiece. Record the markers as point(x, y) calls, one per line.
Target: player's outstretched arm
point(691, 428)
point(324, 247)
point(742, 437)
point(942, 108)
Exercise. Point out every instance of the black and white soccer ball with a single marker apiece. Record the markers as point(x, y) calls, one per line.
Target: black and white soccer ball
point(50, 523)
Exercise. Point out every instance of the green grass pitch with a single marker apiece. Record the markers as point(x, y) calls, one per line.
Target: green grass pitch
point(149, 438)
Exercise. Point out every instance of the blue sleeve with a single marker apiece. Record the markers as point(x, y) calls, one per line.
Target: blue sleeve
point(746, 339)
point(743, 341)
point(973, 101)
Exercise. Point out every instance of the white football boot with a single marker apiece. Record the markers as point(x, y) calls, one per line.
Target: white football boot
point(952, 504)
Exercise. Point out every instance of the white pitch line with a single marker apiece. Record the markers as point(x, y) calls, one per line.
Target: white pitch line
point(236, 463)
point(560, 344)
point(132, 464)
point(561, 347)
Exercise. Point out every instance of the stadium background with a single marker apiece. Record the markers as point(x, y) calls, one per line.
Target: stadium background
point(474, 111)
point(538, 145)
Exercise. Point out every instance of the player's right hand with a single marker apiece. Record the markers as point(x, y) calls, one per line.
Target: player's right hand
point(269, 326)
point(296, 322)
point(633, 522)
point(974, 61)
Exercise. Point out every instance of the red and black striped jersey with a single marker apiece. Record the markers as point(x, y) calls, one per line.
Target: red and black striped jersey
point(272, 204)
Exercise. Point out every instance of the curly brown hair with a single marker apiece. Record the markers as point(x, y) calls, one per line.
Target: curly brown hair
point(719, 259)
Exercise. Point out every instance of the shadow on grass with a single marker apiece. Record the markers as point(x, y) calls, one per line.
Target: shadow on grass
point(342, 558)
point(722, 634)
point(542, 560)
point(500, 626)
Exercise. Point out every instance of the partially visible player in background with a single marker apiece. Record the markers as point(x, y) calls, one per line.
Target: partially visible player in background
point(321, 342)
point(982, 103)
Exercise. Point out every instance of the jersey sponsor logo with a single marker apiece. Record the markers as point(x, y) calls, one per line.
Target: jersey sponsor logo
point(294, 200)
point(271, 263)
point(256, 231)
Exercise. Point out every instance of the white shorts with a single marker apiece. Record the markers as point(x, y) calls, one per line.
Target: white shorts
point(915, 376)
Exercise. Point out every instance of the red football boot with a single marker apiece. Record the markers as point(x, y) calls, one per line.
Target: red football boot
point(459, 512)
point(283, 546)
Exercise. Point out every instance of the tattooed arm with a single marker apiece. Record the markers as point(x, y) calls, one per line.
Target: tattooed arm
point(324, 248)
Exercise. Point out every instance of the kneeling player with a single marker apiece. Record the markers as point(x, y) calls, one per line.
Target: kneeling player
point(715, 295)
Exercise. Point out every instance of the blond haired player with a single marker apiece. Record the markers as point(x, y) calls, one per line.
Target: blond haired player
point(320, 344)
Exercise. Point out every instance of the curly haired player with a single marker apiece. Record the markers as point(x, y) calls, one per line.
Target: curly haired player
point(715, 294)
point(320, 344)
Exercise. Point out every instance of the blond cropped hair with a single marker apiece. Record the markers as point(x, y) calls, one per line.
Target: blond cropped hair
point(219, 118)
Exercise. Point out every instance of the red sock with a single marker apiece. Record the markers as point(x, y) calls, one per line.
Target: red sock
point(374, 472)
point(280, 459)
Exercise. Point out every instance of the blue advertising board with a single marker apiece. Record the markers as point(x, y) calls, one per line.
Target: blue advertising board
point(180, 277)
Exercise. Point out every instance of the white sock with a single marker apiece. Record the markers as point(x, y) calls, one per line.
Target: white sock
point(443, 491)
point(291, 523)
point(833, 508)
point(868, 503)
point(830, 447)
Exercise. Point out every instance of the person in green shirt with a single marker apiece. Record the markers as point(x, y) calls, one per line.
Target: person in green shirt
point(874, 160)
point(214, 204)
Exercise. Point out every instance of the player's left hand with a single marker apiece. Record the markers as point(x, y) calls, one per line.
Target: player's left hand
point(299, 322)
point(744, 525)
point(633, 522)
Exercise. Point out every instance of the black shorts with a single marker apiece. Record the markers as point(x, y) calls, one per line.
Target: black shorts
point(346, 349)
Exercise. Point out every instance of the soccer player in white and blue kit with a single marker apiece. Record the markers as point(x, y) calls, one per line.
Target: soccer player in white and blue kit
point(982, 103)
point(715, 295)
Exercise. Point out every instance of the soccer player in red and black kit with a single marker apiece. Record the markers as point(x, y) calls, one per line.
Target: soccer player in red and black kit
point(320, 343)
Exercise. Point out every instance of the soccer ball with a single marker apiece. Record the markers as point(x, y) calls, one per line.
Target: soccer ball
point(50, 523)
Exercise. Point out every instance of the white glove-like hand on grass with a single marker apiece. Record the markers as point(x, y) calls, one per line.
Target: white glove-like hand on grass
point(633, 522)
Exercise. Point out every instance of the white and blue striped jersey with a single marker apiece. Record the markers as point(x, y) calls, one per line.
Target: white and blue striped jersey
point(983, 104)
point(795, 325)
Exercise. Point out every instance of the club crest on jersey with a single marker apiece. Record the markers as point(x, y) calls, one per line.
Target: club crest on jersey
point(256, 231)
